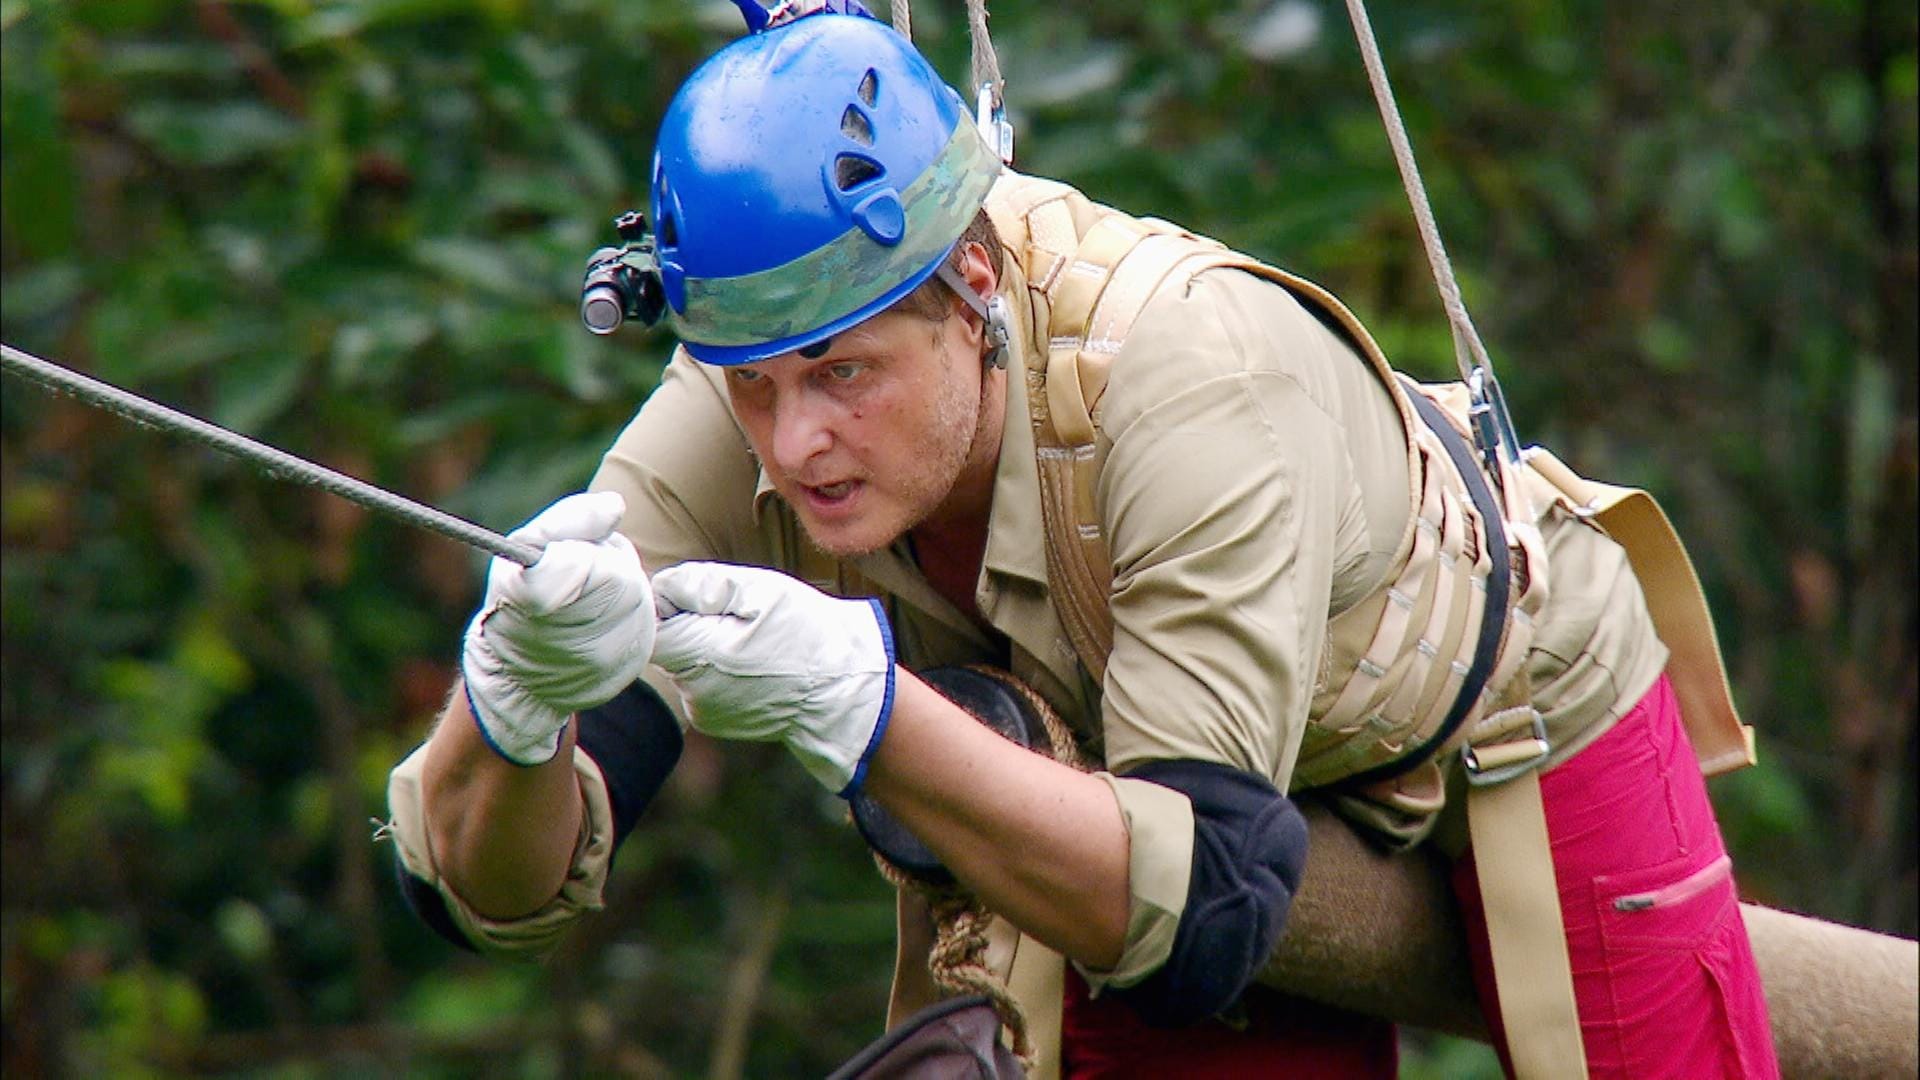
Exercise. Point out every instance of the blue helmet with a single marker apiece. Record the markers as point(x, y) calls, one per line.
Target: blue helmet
point(805, 178)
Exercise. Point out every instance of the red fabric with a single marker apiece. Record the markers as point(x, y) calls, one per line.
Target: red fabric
point(1103, 1039)
point(1668, 989)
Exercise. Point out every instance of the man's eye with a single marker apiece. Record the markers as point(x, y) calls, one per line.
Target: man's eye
point(844, 372)
point(745, 376)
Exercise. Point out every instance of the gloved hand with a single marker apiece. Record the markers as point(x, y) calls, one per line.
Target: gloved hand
point(759, 655)
point(565, 634)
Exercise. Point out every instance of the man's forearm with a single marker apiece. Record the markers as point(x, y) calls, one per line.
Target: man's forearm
point(1041, 843)
point(503, 834)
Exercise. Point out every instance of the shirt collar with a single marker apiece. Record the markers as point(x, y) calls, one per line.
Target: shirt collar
point(762, 491)
point(1016, 539)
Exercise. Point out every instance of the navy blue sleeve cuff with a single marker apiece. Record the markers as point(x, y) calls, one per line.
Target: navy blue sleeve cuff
point(636, 742)
point(1249, 850)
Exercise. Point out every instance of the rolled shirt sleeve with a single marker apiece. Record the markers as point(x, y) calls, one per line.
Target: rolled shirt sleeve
point(535, 934)
point(1159, 823)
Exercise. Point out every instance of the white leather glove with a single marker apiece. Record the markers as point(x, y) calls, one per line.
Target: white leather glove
point(567, 633)
point(759, 655)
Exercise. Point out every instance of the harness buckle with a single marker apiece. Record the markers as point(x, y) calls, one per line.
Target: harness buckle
point(1500, 762)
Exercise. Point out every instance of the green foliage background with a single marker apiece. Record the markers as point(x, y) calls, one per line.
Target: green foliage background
point(355, 228)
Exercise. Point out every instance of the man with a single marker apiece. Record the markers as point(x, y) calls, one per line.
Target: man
point(903, 369)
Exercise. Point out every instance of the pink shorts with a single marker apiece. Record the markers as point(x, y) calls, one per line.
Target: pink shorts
point(1663, 975)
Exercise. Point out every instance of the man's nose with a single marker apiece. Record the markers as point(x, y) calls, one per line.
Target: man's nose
point(802, 430)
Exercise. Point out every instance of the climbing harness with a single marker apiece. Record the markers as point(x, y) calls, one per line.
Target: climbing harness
point(1532, 973)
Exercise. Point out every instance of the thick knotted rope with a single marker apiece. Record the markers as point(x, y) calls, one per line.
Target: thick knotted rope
point(986, 62)
point(958, 960)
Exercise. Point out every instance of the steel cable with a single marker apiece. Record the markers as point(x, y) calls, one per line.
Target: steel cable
point(273, 462)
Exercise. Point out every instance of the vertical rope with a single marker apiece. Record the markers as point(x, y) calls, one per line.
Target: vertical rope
point(957, 961)
point(1467, 347)
point(902, 11)
point(986, 63)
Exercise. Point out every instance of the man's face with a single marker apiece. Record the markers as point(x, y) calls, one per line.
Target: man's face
point(870, 438)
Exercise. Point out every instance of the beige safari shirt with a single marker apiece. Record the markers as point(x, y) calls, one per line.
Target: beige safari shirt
point(1254, 485)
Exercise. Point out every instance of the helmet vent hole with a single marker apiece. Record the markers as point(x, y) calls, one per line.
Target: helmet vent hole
point(870, 87)
point(669, 235)
point(852, 170)
point(855, 126)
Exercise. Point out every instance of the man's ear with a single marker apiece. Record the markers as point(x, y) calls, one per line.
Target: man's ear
point(975, 282)
point(976, 266)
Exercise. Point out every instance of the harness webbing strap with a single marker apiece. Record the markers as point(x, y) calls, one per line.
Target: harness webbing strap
point(1676, 603)
point(1531, 973)
point(1494, 618)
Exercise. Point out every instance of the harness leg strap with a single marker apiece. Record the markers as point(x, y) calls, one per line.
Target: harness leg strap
point(1528, 941)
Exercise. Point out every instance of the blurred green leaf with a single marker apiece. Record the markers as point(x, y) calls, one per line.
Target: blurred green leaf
point(1667, 346)
point(311, 808)
point(476, 998)
point(40, 292)
point(156, 61)
point(224, 133)
point(37, 181)
point(244, 929)
point(479, 264)
point(257, 387)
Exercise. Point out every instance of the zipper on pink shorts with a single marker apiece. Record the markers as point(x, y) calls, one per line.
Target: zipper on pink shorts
point(1686, 888)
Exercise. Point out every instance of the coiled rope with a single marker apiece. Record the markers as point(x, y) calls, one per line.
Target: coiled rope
point(958, 959)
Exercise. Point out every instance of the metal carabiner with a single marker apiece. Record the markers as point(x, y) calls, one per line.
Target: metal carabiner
point(990, 116)
point(1493, 432)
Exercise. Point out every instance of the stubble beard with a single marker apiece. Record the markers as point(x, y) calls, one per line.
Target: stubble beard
point(958, 423)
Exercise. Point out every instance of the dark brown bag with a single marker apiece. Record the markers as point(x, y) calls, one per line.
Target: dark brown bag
point(958, 1039)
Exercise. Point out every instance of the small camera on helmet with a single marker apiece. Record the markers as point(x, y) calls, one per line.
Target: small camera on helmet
point(623, 282)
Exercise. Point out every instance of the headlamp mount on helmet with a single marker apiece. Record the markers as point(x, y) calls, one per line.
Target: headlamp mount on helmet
point(623, 282)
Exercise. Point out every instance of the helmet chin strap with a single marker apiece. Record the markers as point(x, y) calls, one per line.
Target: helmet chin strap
point(992, 312)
